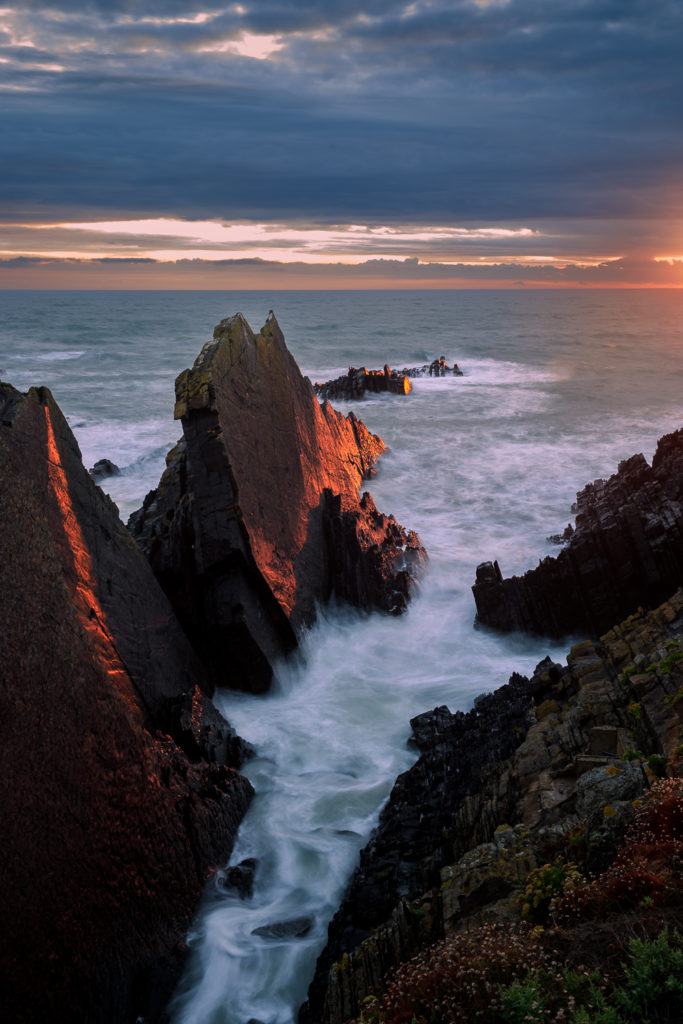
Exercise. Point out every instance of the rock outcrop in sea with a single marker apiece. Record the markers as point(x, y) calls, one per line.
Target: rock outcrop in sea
point(540, 767)
point(360, 381)
point(257, 517)
point(626, 551)
point(357, 382)
point(120, 785)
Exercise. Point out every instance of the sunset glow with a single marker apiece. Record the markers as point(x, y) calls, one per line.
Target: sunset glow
point(464, 138)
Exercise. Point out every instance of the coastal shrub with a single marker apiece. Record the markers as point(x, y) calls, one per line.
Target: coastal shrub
point(652, 991)
point(647, 867)
point(544, 885)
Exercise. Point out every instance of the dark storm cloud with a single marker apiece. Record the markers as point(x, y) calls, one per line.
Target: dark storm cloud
point(376, 111)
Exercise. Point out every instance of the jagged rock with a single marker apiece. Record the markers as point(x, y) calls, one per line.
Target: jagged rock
point(562, 538)
point(516, 760)
point(626, 551)
point(239, 530)
point(104, 468)
point(437, 368)
point(357, 382)
point(295, 928)
point(372, 561)
point(414, 838)
point(109, 828)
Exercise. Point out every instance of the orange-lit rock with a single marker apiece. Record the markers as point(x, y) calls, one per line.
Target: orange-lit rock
point(120, 792)
point(236, 531)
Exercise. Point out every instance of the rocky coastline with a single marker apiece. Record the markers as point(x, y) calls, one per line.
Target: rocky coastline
point(625, 551)
point(122, 784)
point(537, 769)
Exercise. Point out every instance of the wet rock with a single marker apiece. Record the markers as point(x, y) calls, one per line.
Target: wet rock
point(240, 541)
point(372, 561)
point(626, 551)
point(564, 537)
point(109, 829)
point(241, 877)
point(358, 382)
point(104, 468)
point(437, 368)
point(295, 928)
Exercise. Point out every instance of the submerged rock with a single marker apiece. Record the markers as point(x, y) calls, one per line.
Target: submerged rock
point(295, 928)
point(242, 531)
point(111, 819)
point(626, 551)
point(241, 877)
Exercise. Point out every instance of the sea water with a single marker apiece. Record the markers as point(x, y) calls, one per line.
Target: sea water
point(558, 387)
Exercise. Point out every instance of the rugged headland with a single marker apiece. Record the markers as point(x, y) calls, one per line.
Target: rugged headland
point(543, 804)
point(122, 790)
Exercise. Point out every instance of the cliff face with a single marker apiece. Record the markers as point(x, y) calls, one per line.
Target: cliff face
point(238, 530)
point(495, 790)
point(120, 790)
point(626, 551)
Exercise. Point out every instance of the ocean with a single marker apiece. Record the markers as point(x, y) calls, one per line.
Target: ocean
point(558, 387)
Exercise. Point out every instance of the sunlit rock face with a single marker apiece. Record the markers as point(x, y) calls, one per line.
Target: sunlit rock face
point(626, 551)
point(120, 792)
point(236, 531)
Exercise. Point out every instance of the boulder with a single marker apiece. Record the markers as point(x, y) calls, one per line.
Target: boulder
point(626, 551)
point(112, 819)
point(104, 468)
point(244, 527)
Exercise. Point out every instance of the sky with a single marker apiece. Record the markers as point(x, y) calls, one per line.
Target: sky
point(341, 144)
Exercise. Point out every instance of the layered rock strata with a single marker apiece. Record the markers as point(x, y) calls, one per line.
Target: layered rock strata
point(357, 382)
point(245, 527)
point(120, 789)
point(626, 551)
point(495, 789)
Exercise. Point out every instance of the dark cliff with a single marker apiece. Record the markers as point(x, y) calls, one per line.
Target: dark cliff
point(541, 765)
point(626, 551)
point(120, 789)
point(243, 531)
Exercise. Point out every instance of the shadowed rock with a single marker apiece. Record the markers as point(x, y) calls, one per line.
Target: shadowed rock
point(295, 928)
point(110, 826)
point(626, 551)
point(104, 468)
point(238, 531)
point(437, 368)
